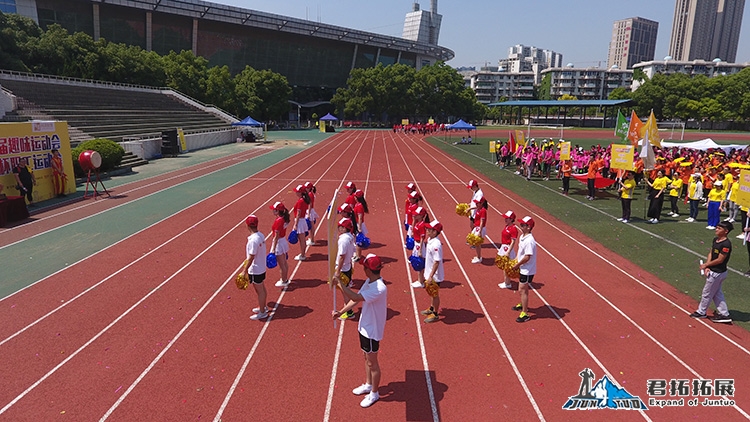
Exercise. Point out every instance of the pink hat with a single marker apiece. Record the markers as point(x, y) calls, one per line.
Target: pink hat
point(251, 221)
point(278, 206)
point(346, 223)
point(372, 262)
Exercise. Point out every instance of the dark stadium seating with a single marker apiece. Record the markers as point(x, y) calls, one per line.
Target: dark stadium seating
point(114, 112)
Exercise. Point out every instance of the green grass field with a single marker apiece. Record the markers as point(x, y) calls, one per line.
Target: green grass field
point(670, 250)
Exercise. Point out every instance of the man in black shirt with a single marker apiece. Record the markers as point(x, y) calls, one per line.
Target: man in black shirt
point(715, 270)
point(25, 179)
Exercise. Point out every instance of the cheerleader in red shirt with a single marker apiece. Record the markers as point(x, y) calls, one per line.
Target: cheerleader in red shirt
point(311, 214)
point(350, 189)
point(480, 227)
point(300, 224)
point(279, 245)
point(508, 242)
point(346, 211)
point(414, 199)
point(411, 187)
point(360, 209)
point(420, 238)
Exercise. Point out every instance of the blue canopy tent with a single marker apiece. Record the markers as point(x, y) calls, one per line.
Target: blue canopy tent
point(461, 125)
point(325, 122)
point(253, 129)
point(329, 118)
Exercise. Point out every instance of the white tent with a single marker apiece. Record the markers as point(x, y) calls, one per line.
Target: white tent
point(703, 145)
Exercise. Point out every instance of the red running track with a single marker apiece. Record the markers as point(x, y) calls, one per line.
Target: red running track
point(167, 337)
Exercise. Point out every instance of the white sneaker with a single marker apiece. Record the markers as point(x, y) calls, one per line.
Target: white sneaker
point(504, 285)
point(362, 389)
point(416, 284)
point(624, 221)
point(259, 316)
point(282, 283)
point(740, 236)
point(256, 310)
point(689, 219)
point(731, 220)
point(710, 227)
point(620, 219)
point(300, 257)
point(310, 243)
point(476, 260)
point(727, 219)
point(370, 399)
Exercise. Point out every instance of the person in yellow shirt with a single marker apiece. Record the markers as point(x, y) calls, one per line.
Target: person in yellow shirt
point(626, 195)
point(656, 196)
point(716, 196)
point(731, 204)
point(695, 194)
point(675, 187)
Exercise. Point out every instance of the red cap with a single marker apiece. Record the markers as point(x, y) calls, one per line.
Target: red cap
point(479, 201)
point(510, 214)
point(351, 185)
point(372, 262)
point(347, 223)
point(251, 221)
point(359, 194)
point(415, 195)
point(419, 211)
point(278, 206)
point(411, 186)
point(299, 188)
point(345, 207)
point(528, 221)
point(308, 185)
point(435, 225)
point(472, 183)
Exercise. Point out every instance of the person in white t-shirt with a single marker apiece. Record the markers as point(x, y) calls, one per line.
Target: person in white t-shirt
point(433, 268)
point(478, 195)
point(255, 265)
point(374, 296)
point(526, 264)
point(346, 249)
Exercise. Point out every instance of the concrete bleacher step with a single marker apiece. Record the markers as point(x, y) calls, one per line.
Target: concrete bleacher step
point(131, 160)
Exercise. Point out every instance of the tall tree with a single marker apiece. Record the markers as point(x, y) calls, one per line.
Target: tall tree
point(262, 94)
point(186, 73)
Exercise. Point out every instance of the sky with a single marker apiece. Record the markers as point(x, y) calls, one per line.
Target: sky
point(480, 32)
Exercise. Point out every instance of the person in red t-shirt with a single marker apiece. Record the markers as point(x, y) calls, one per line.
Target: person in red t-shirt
point(508, 239)
point(350, 189)
point(279, 245)
point(420, 238)
point(300, 224)
point(311, 214)
point(411, 187)
point(414, 199)
point(480, 227)
point(360, 209)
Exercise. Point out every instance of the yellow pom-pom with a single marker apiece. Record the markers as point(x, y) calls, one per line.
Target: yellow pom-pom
point(474, 240)
point(242, 280)
point(501, 262)
point(462, 210)
point(432, 288)
point(510, 271)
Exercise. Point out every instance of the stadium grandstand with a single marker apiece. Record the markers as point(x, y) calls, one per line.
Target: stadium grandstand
point(316, 58)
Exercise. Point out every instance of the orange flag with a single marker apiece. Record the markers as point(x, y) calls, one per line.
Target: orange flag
point(634, 131)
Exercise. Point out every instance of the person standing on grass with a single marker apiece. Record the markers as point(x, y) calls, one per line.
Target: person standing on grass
point(508, 239)
point(716, 197)
point(527, 266)
point(300, 224)
point(695, 194)
point(476, 196)
point(346, 248)
point(255, 265)
point(675, 187)
point(656, 197)
point(715, 270)
point(311, 214)
point(433, 268)
point(566, 169)
point(594, 165)
point(732, 205)
point(279, 244)
point(480, 226)
point(374, 296)
point(627, 186)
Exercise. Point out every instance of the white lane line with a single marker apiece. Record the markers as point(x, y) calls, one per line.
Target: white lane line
point(607, 301)
point(48, 374)
point(92, 203)
point(500, 340)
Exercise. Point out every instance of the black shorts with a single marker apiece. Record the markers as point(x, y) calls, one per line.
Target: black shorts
point(525, 278)
point(348, 273)
point(368, 345)
point(257, 278)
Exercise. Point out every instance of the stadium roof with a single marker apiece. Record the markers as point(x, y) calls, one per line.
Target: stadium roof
point(561, 103)
point(217, 12)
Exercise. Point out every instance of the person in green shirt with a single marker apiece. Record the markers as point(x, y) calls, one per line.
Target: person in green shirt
point(627, 186)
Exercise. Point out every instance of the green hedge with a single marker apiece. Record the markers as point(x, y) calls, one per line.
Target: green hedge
point(110, 151)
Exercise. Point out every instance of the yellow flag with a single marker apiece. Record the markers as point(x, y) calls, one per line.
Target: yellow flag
point(520, 139)
point(652, 129)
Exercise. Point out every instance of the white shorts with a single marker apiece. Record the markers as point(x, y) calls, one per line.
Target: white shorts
point(282, 246)
point(312, 215)
point(475, 230)
point(505, 250)
point(363, 229)
point(302, 227)
point(417, 251)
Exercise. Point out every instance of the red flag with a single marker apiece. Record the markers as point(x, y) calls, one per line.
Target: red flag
point(512, 142)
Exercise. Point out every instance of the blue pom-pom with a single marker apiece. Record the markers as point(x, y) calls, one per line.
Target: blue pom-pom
point(309, 224)
point(417, 263)
point(363, 241)
point(410, 243)
point(293, 237)
point(406, 227)
point(271, 260)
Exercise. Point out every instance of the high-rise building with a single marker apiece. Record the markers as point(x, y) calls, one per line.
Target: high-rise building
point(524, 58)
point(706, 29)
point(421, 25)
point(633, 41)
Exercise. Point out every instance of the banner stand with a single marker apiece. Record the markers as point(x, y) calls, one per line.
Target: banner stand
point(96, 181)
